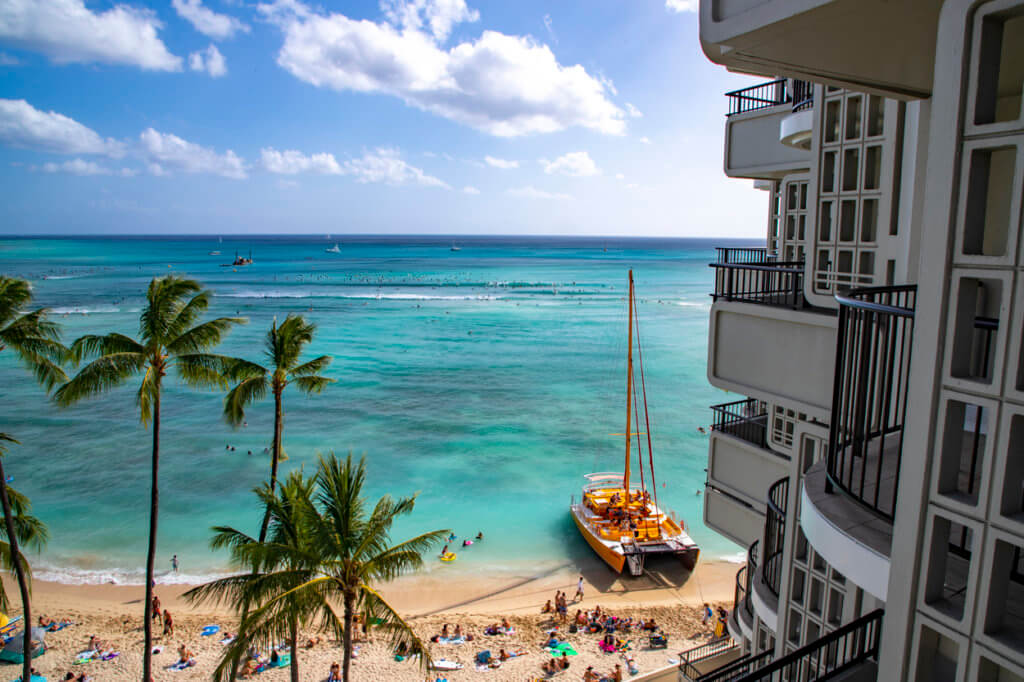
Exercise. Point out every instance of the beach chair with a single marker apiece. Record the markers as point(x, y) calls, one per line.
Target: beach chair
point(8, 628)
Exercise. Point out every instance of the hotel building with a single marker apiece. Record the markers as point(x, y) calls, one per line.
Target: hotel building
point(873, 464)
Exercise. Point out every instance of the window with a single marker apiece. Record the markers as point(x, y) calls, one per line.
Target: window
point(847, 220)
point(1013, 478)
point(1004, 617)
point(949, 565)
point(816, 598)
point(873, 167)
point(832, 120)
point(990, 188)
point(990, 671)
point(876, 116)
point(796, 594)
point(963, 450)
point(851, 168)
point(828, 173)
point(978, 302)
point(868, 220)
point(937, 657)
point(853, 105)
point(1000, 70)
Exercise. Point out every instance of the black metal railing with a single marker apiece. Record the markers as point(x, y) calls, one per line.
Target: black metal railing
point(776, 283)
point(738, 669)
point(803, 95)
point(748, 605)
point(869, 394)
point(799, 94)
point(743, 254)
point(840, 650)
point(774, 534)
point(740, 591)
point(762, 96)
point(744, 419)
point(689, 658)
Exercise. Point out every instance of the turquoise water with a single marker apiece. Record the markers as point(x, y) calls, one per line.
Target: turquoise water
point(488, 379)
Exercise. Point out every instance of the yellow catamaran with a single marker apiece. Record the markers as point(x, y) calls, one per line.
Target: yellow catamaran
point(624, 524)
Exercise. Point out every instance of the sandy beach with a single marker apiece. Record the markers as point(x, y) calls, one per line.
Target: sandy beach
point(113, 613)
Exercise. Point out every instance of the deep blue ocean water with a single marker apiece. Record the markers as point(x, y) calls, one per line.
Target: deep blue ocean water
point(488, 379)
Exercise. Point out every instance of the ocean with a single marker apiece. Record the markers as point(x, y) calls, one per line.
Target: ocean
point(486, 379)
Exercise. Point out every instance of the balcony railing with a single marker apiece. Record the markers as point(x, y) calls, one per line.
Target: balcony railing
point(852, 644)
point(689, 659)
point(774, 534)
point(740, 592)
point(869, 396)
point(744, 254)
point(757, 277)
point(740, 669)
point(748, 605)
point(800, 94)
point(744, 419)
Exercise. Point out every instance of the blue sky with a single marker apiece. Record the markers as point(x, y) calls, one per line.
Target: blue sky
point(399, 116)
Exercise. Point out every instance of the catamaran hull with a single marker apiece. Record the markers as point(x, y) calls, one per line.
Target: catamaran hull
point(615, 559)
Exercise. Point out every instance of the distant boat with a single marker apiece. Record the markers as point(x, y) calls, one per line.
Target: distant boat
point(214, 253)
point(456, 248)
point(333, 249)
point(239, 261)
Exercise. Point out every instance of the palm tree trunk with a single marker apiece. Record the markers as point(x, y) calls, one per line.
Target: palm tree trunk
point(12, 541)
point(154, 506)
point(295, 650)
point(275, 456)
point(347, 638)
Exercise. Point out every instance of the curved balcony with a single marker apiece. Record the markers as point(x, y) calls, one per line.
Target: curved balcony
point(764, 591)
point(849, 499)
point(741, 621)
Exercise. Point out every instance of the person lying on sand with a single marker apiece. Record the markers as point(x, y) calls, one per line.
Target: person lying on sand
point(313, 641)
point(249, 669)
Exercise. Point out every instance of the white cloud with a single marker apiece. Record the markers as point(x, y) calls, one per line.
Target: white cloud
point(620, 176)
point(128, 172)
point(67, 31)
point(156, 169)
point(22, 125)
point(209, 60)
point(575, 164)
point(438, 16)
point(165, 152)
point(8, 60)
point(549, 27)
point(682, 5)
point(208, 22)
point(633, 111)
point(645, 140)
point(387, 166)
point(501, 84)
point(293, 162)
point(76, 167)
point(504, 164)
point(470, 190)
point(530, 192)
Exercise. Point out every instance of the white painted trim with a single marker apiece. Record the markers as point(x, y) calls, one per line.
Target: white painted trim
point(764, 611)
point(859, 563)
point(795, 130)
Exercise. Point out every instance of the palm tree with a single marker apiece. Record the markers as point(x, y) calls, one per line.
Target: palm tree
point(30, 335)
point(282, 562)
point(282, 347)
point(350, 550)
point(36, 341)
point(169, 339)
point(20, 528)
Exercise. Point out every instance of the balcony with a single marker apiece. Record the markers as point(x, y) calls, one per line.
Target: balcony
point(764, 591)
point(738, 464)
point(754, 144)
point(864, 45)
point(755, 276)
point(849, 499)
point(695, 663)
point(741, 620)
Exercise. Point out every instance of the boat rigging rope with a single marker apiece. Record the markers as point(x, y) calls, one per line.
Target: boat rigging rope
point(647, 420)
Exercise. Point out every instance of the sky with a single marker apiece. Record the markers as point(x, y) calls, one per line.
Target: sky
point(575, 117)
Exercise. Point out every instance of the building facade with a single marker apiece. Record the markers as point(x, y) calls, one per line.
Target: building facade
point(874, 467)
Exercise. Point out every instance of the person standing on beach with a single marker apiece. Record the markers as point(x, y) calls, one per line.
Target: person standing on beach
point(174, 563)
point(708, 615)
point(156, 607)
point(168, 623)
point(579, 590)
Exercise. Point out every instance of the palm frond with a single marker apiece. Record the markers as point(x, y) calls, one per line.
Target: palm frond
point(203, 336)
point(15, 294)
point(314, 366)
point(163, 303)
point(203, 369)
point(285, 341)
point(245, 393)
point(312, 385)
point(373, 605)
point(99, 376)
point(189, 313)
point(145, 398)
point(404, 557)
point(95, 345)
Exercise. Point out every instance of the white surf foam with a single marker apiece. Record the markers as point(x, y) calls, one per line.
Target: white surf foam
point(82, 310)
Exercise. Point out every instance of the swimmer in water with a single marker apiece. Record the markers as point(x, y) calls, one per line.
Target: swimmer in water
point(479, 536)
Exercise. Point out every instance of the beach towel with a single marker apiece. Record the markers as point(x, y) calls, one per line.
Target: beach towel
point(282, 662)
point(484, 656)
point(227, 640)
point(57, 627)
point(35, 678)
point(181, 665)
point(560, 648)
point(210, 630)
point(451, 640)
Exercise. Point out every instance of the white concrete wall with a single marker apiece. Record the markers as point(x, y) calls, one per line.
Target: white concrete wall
point(752, 147)
point(727, 517)
point(774, 354)
point(742, 468)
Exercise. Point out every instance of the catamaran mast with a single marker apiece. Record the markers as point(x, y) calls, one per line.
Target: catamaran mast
point(629, 394)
